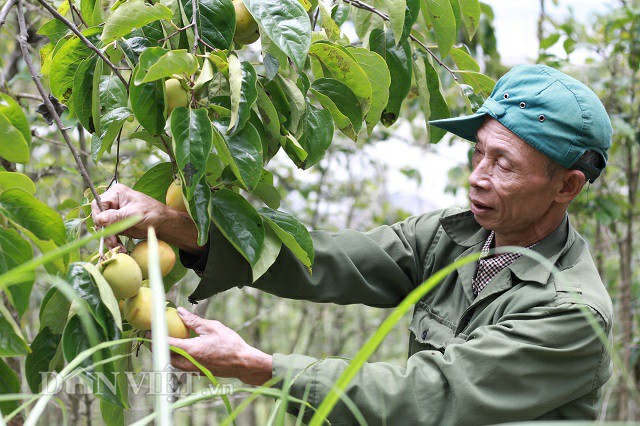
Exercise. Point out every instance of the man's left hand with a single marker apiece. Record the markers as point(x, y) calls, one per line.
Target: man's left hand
point(221, 350)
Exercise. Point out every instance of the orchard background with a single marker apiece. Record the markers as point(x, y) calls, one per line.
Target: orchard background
point(268, 138)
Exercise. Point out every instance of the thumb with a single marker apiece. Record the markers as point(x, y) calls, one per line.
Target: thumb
point(107, 217)
point(192, 321)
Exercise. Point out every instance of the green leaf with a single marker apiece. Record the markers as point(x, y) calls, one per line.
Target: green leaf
point(242, 80)
point(112, 92)
point(441, 15)
point(14, 250)
point(110, 125)
point(549, 41)
point(294, 150)
point(345, 69)
point(157, 63)
point(130, 15)
point(291, 232)
point(24, 209)
point(54, 29)
point(412, 10)
point(85, 288)
point(268, 255)
point(199, 210)
point(396, 9)
point(13, 112)
point(457, 13)
point(481, 83)
point(329, 25)
point(16, 180)
point(378, 75)
point(65, 64)
point(295, 101)
point(11, 341)
point(91, 11)
point(341, 103)
point(13, 146)
point(246, 153)
point(106, 293)
point(463, 60)
point(266, 191)
point(398, 59)
point(54, 311)
point(317, 133)
point(268, 115)
point(155, 181)
point(470, 10)
point(287, 25)
point(206, 75)
point(216, 21)
point(147, 103)
point(419, 74)
point(239, 223)
point(101, 377)
point(192, 141)
point(437, 104)
point(8, 385)
point(83, 88)
point(43, 352)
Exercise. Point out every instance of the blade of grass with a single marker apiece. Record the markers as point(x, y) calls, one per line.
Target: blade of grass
point(159, 337)
point(47, 393)
point(15, 275)
point(376, 339)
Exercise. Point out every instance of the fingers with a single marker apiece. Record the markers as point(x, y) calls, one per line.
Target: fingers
point(178, 361)
point(194, 322)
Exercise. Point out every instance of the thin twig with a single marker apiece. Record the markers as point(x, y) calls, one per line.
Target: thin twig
point(178, 31)
point(34, 75)
point(27, 96)
point(90, 45)
point(55, 142)
point(315, 19)
point(200, 40)
point(75, 9)
point(5, 11)
point(364, 6)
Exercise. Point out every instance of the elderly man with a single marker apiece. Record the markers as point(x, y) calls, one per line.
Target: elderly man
point(501, 339)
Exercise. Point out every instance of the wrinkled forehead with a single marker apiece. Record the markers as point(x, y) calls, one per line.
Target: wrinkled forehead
point(494, 135)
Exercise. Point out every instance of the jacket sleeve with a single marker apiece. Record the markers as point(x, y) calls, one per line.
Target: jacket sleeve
point(518, 369)
point(376, 268)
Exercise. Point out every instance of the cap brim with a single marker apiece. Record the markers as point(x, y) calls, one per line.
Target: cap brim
point(465, 127)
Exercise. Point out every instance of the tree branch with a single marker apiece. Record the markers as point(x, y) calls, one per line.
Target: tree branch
point(90, 45)
point(5, 11)
point(27, 59)
point(364, 6)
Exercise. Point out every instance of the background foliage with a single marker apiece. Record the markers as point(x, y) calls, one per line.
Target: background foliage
point(256, 130)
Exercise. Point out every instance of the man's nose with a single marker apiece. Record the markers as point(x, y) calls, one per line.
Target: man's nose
point(479, 177)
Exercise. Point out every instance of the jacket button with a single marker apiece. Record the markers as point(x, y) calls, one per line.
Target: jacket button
point(424, 334)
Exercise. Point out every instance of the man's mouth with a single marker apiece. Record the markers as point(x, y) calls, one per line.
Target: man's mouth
point(478, 207)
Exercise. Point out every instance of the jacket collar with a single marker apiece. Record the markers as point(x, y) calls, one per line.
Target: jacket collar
point(463, 229)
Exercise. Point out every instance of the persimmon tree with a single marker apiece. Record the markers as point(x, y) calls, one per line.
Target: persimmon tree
point(189, 79)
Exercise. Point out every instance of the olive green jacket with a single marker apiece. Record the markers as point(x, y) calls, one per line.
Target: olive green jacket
point(525, 348)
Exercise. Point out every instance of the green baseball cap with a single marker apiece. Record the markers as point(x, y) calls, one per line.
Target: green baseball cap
point(551, 111)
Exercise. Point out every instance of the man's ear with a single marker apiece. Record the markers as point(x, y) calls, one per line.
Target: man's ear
point(573, 181)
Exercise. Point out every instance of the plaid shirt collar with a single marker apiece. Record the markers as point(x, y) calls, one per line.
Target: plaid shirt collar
point(488, 267)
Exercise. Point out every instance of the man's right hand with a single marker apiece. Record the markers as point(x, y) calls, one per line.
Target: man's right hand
point(121, 202)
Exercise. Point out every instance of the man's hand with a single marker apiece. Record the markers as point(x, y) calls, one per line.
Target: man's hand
point(121, 202)
point(221, 350)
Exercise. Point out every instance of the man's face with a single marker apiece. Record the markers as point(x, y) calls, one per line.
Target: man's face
point(510, 192)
